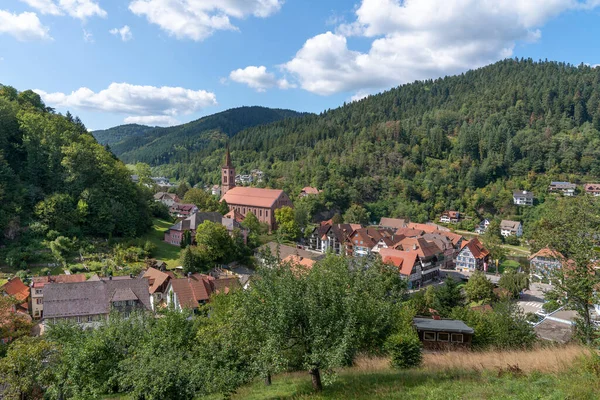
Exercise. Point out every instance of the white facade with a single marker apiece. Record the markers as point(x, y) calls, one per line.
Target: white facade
point(523, 198)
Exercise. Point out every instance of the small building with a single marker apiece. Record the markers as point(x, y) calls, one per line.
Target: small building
point(443, 334)
point(511, 228)
point(472, 257)
point(158, 282)
point(216, 191)
point(182, 210)
point(362, 241)
point(593, 189)
point(545, 263)
point(392, 223)
point(37, 290)
point(331, 237)
point(309, 191)
point(482, 227)
point(168, 199)
point(90, 302)
point(450, 217)
point(196, 289)
point(566, 188)
point(522, 198)
point(175, 233)
point(19, 291)
point(430, 256)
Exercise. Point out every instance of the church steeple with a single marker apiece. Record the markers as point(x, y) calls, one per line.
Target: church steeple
point(227, 174)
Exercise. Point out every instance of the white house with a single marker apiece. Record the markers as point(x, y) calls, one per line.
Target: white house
point(482, 227)
point(522, 198)
point(511, 228)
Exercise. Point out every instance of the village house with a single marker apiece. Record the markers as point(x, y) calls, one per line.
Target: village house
point(282, 251)
point(157, 286)
point(168, 199)
point(331, 237)
point(472, 257)
point(430, 256)
point(429, 227)
point(592, 189)
point(511, 228)
point(362, 241)
point(162, 182)
point(216, 191)
point(544, 264)
point(482, 227)
point(392, 223)
point(87, 303)
point(309, 191)
point(566, 188)
point(443, 334)
point(446, 245)
point(37, 290)
point(522, 198)
point(196, 289)
point(181, 210)
point(175, 233)
point(16, 289)
point(450, 217)
point(408, 264)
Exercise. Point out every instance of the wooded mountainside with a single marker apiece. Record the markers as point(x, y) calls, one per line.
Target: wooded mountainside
point(138, 143)
point(462, 142)
point(54, 176)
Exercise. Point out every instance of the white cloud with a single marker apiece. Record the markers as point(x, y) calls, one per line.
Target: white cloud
point(88, 37)
point(419, 39)
point(152, 120)
point(198, 19)
point(258, 78)
point(81, 9)
point(124, 32)
point(24, 26)
point(139, 102)
point(358, 96)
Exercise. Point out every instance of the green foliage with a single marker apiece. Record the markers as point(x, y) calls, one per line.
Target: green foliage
point(357, 214)
point(214, 243)
point(447, 296)
point(287, 226)
point(514, 282)
point(551, 306)
point(202, 199)
point(479, 289)
point(404, 350)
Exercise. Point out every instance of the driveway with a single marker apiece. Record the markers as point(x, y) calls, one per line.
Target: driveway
point(532, 300)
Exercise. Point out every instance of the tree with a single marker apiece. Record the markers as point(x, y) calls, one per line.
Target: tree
point(186, 239)
point(223, 207)
point(188, 261)
point(492, 240)
point(479, 289)
point(571, 227)
point(13, 325)
point(514, 282)
point(57, 212)
point(214, 242)
point(144, 173)
point(182, 189)
point(357, 214)
point(447, 297)
point(61, 248)
point(27, 368)
point(202, 199)
point(286, 223)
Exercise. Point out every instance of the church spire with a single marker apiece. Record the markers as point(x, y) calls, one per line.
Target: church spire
point(227, 158)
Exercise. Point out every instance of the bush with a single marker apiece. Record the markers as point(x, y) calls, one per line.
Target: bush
point(551, 306)
point(512, 240)
point(405, 350)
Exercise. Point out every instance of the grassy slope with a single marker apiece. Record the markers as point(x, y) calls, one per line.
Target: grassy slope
point(164, 251)
point(546, 374)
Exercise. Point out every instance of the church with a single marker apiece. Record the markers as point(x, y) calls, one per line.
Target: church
point(260, 202)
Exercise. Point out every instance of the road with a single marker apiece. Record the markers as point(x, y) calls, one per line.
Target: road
point(532, 300)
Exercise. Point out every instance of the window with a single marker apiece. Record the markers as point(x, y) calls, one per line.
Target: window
point(38, 301)
point(429, 336)
point(443, 337)
point(457, 338)
point(90, 318)
point(260, 213)
point(38, 291)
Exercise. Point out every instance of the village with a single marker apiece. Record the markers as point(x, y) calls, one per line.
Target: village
point(424, 254)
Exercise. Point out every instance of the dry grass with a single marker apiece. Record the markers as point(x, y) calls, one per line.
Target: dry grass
point(543, 359)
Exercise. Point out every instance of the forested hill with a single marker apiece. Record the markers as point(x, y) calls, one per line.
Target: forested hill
point(461, 142)
point(55, 179)
point(133, 143)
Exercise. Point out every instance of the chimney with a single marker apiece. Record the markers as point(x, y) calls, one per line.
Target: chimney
point(414, 246)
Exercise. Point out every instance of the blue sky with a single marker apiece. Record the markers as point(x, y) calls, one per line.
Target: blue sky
point(163, 62)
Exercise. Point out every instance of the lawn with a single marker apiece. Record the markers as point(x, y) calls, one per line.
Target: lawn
point(164, 251)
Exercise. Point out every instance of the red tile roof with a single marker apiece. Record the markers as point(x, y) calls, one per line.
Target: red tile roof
point(16, 288)
point(310, 190)
point(421, 246)
point(477, 248)
point(156, 279)
point(40, 281)
point(252, 197)
point(235, 215)
point(199, 287)
point(404, 260)
point(549, 253)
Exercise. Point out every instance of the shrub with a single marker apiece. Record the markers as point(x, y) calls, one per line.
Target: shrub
point(405, 350)
point(550, 306)
point(512, 240)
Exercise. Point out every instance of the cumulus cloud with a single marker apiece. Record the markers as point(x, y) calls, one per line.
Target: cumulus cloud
point(161, 104)
point(198, 19)
point(24, 26)
point(152, 120)
point(124, 32)
point(419, 39)
point(258, 78)
point(81, 9)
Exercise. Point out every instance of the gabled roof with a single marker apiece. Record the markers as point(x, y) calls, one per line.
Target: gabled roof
point(429, 227)
point(395, 223)
point(235, 215)
point(193, 221)
point(92, 297)
point(40, 281)
point(509, 225)
point(183, 207)
point(522, 194)
point(421, 246)
point(548, 253)
point(477, 248)
point(403, 260)
point(592, 187)
point(156, 279)
point(252, 197)
point(410, 232)
point(300, 261)
point(16, 288)
point(442, 325)
point(166, 196)
point(310, 190)
point(199, 287)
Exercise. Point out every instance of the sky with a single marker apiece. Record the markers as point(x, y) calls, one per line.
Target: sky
point(166, 62)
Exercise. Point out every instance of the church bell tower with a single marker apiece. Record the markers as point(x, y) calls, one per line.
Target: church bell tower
point(227, 174)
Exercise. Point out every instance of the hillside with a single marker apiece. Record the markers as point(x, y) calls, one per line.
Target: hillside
point(133, 143)
point(462, 142)
point(120, 133)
